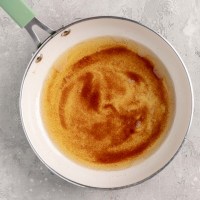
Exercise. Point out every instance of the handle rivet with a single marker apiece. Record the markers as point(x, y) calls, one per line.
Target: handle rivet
point(39, 58)
point(65, 33)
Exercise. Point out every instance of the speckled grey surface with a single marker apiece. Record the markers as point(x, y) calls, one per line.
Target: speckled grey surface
point(22, 175)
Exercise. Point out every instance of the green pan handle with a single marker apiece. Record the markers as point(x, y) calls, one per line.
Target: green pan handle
point(25, 18)
point(18, 11)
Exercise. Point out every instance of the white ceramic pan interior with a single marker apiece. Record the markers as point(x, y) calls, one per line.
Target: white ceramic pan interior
point(31, 93)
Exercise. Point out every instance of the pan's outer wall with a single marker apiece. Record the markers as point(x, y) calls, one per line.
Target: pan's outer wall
point(36, 74)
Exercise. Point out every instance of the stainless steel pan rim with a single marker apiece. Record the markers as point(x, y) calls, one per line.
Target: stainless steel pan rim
point(68, 26)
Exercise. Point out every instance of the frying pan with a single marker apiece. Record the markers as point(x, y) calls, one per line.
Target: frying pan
point(63, 39)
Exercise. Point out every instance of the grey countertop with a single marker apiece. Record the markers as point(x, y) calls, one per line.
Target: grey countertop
point(22, 175)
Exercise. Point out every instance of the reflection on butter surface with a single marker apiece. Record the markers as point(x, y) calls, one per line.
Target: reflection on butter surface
point(107, 103)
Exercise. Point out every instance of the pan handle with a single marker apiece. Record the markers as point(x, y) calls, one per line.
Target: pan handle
point(29, 28)
point(24, 17)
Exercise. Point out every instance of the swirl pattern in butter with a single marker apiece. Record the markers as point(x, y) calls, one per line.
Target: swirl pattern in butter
point(105, 103)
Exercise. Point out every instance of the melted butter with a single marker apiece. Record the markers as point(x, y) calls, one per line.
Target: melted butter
point(104, 106)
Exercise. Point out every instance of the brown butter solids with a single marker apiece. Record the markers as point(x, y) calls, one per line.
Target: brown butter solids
point(107, 108)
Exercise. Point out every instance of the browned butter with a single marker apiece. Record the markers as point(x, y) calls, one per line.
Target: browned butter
point(107, 103)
